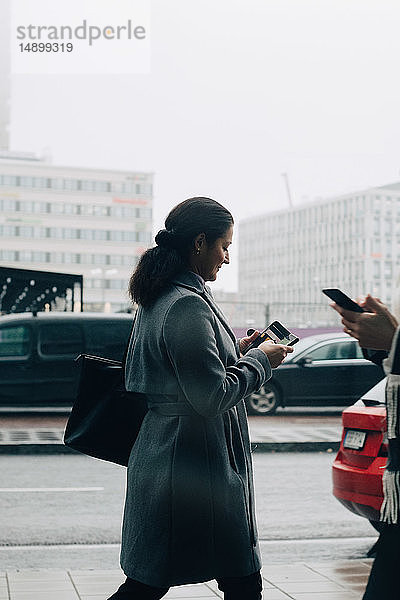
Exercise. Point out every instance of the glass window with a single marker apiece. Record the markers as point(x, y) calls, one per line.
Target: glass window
point(60, 339)
point(99, 234)
point(101, 186)
point(70, 234)
point(26, 231)
point(25, 255)
point(334, 351)
point(39, 182)
point(55, 232)
point(39, 256)
point(9, 180)
point(57, 183)
point(10, 230)
point(100, 211)
point(70, 209)
point(86, 234)
point(26, 206)
point(87, 185)
point(71, 184)
point(26, 181)
point(100, 259)
point(9, 204)
point(39, 207)
point(87, 209)
point(117, 211)
point(388, 270)
point(108, 341)
point(15, 341)
point(115, 259)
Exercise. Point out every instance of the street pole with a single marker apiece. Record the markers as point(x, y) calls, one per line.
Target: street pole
point(267, 313)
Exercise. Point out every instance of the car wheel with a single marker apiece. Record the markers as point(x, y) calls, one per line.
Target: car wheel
point(265, 401)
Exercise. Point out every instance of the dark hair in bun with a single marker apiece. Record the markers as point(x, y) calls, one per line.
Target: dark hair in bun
point(158, 266)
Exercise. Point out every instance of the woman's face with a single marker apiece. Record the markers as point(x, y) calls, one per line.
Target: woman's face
point(212, 257)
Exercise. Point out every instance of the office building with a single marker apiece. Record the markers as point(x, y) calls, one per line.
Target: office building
point(92, 222)
point(351, 242)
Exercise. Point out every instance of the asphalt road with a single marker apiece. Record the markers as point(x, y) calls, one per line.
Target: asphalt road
point(65, 511)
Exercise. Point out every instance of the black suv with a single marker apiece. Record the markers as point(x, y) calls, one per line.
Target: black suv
point(37, 353)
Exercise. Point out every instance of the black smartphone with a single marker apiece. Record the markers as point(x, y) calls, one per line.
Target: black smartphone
point(342, 300)
point(276, 333)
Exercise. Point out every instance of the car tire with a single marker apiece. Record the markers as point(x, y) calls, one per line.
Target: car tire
point(265, 401)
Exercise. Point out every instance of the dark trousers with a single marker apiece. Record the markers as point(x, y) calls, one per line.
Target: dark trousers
point(234, 588)
point(383, 583)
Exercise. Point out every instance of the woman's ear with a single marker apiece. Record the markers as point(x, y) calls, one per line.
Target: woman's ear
point(199, 241)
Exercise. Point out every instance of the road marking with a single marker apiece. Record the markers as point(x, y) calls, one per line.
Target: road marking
point(54, 489)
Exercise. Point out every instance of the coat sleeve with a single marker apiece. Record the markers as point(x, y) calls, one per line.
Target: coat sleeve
point(209, 386)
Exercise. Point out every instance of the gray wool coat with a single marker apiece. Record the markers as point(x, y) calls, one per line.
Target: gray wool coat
point(189, 511)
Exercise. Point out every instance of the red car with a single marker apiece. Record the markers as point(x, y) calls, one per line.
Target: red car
point(358, 467)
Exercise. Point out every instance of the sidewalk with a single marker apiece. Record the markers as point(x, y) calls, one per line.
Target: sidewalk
point(43, 435)
point(298, 581)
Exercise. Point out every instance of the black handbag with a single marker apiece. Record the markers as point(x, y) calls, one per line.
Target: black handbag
point(105, 418)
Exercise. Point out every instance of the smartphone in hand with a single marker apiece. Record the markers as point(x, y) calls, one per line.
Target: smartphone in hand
point(277, 333)
point(342, 300)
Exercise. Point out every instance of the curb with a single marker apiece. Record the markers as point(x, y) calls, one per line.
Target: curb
point(256, 447)
point(321, 446)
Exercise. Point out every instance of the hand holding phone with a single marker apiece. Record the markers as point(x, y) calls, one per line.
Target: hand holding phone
point(276, 333)
point(342, 300)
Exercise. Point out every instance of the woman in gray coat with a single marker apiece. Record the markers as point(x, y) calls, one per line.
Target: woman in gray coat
point(189, 512)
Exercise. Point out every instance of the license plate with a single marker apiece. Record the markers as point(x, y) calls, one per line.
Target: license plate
point(354, 439)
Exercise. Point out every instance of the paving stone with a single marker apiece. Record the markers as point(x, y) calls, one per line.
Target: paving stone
point(49, 595)
point(41, 586)
point(38, 575)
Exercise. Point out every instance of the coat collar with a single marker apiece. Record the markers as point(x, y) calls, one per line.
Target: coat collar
point(190, 280)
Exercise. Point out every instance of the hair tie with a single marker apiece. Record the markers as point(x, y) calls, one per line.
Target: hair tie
point(167, 239)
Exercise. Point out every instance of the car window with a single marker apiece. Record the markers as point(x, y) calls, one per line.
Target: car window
point(15, 341)
point(108, 339)
point(60, 339)
point(334, 351)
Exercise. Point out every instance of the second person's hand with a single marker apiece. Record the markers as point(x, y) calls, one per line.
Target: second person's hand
point(275, 353)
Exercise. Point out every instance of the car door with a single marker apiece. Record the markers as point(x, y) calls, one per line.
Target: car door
point(59, 343)
point(327, 374)
point(17, 375)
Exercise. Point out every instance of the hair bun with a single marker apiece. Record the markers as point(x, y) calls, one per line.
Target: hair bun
point(166, 239)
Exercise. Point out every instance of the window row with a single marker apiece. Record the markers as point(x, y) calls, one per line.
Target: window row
point(69, 233)
point(69, 184)
point(39, 256)
point(65, 208)
point(105, 284)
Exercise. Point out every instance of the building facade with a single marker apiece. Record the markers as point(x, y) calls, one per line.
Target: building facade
point(75, 220)
point(351, 242)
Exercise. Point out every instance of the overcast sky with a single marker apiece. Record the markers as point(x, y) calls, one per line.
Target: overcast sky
point(239, 92)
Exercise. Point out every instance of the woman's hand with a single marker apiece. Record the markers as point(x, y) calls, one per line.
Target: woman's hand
point(373, 329)
point(245, 342)
point(276, 353)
